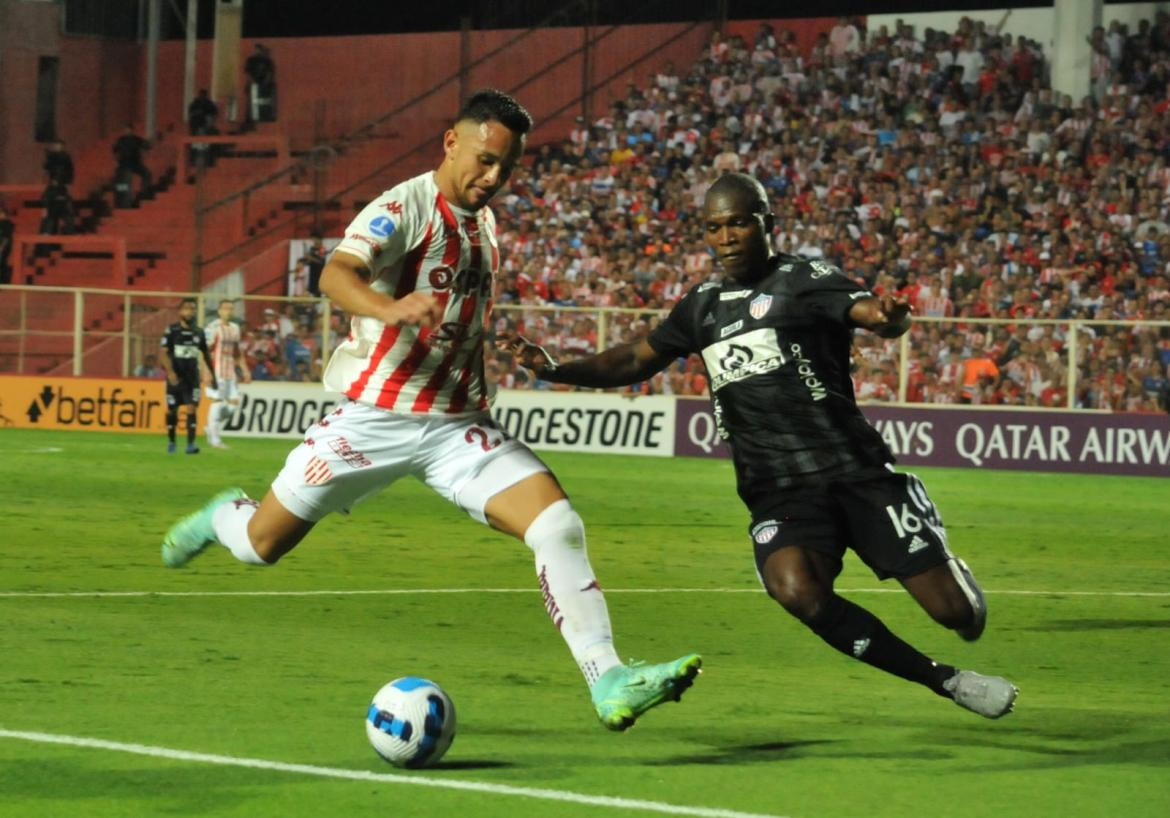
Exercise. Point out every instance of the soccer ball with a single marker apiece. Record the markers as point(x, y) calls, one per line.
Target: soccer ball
point(411, 722)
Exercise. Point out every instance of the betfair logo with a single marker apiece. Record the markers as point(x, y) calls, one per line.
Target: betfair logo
point(111, 409)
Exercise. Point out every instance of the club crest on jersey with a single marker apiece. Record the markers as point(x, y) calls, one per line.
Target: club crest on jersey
point(760, 306)
point(764, 532)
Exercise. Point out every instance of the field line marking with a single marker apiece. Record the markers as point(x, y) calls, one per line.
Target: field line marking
point(423, 591)
point(387, 778)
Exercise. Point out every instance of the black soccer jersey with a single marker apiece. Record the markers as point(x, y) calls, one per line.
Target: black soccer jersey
point(777, 357)
point(185, 345)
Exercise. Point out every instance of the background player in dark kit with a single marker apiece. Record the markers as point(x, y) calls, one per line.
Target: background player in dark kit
point(775, 336)
point(182, 346)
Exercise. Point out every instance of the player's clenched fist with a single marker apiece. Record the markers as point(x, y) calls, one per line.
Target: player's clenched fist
point(415, 309)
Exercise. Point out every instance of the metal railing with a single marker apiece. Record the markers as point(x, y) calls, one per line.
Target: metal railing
point(1046, 363)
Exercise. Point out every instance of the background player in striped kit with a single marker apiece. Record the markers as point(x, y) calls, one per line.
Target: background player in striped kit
point(416, 269)
point(223, 341)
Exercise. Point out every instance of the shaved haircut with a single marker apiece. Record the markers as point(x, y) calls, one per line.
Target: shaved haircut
point(743, 187)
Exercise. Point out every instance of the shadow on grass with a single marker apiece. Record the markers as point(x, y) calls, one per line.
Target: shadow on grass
point(741, 754)
point(1099, 625)
point(472, 764)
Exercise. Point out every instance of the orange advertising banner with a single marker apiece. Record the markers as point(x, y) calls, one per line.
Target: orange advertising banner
point(88, 404)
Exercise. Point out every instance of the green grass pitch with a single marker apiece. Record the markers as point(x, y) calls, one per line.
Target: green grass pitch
point(778, 724)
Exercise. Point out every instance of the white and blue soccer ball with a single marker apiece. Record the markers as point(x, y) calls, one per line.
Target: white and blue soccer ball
point(411, 722)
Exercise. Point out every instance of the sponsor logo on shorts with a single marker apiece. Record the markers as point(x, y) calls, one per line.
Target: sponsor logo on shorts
point(763, 533)
point(346, 452)
point(917, 544)
point(317, 472)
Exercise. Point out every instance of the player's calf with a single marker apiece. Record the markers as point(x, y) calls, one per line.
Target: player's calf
point(974, 624)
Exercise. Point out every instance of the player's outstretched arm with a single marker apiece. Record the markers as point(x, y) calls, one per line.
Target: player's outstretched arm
point(886, 315)
point(345, 280)
point(617, 366)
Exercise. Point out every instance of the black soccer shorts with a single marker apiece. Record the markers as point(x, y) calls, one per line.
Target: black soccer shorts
point(183, 393)
point(887, 518)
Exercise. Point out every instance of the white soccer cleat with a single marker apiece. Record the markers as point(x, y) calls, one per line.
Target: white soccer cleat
point(990, 696)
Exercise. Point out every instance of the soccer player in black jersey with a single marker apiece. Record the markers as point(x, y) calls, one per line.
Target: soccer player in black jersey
point(775, 335)
point(182, 346)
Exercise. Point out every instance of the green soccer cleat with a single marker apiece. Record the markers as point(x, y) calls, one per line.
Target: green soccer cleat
point(627, 691)
point(190, 535)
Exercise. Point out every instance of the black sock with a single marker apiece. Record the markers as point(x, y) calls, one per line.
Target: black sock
point(856, 632)
point(172, 422)
point(191, 426)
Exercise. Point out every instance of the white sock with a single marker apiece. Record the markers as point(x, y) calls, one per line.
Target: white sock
point(571, 593)
point(213, 421)
point(230, 522)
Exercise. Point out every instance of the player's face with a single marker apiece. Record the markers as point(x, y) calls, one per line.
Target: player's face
point(736, 235)
point(187, 312)
point(479, 159)
point(225, 311)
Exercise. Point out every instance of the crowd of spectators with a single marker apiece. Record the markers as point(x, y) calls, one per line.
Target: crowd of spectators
point(939, 165)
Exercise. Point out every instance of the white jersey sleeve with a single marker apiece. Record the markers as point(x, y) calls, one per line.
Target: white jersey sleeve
point(388, 228)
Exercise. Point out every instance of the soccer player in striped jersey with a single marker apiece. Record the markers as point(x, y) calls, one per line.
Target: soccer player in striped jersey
point(416, 270)
point(223, 340)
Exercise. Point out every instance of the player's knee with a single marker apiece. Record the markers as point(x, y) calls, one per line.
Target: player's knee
point(558, 523)
point(797, 594)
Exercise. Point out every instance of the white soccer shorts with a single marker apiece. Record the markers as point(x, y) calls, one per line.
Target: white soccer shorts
point(358, 450)
point(229, 390)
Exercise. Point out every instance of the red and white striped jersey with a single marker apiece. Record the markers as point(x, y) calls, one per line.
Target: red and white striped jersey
point(411, 238)
point(223, 340)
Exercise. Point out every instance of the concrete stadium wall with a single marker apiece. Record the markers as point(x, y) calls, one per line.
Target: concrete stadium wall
point(102, 83)
point(97, 87)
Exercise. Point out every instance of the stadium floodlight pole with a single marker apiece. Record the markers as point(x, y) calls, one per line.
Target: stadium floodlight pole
point(197, 253)
point(189, 55)
point(152, 34)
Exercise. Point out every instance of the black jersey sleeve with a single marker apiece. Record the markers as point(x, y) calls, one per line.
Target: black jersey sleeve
point(826, 292)
point(677, 334)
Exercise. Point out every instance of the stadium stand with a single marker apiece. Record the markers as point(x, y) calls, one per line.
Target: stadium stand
point(941, 166)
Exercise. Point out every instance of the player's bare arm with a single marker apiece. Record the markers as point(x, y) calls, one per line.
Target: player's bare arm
point(345, 280)
point(168, 367)
point(242, 363)
point(886, 315)
point(210, 371)
point(617, 366)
